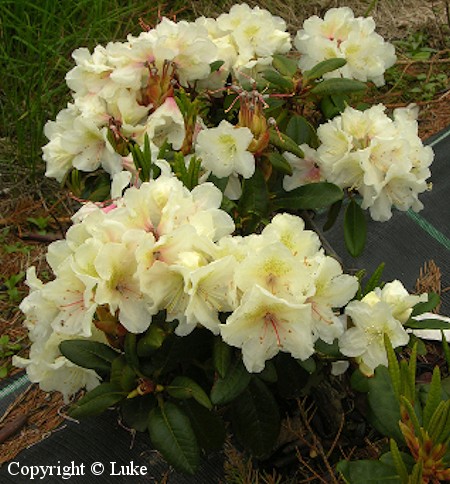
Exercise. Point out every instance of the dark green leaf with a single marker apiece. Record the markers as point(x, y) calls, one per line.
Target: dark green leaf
point(151, 341)
point(89, 354)
point(375, 279)
point(221, 183)
point(97, 400)
point(208, 427)
point(355, 229)
point(280, 163)
point(384, 406)
point(308, 365)
point(292, 379)
point(338, 86)
point(130, 350)
point(284, 65)
point(183, 387)
point(221, 356)
point(278, 81)
point(309, 197)
point(269, 374)
point(367, 472)
point(256, 418)
point(333, 213)
point(300, 130)
point(254, 201)
point(232, 385)
point(171, 433)
point(427, 324)
point(359, 381)
point(285, 143)
point(424, 307)
point(327, 349)
point(322, 68)
point(135, 411)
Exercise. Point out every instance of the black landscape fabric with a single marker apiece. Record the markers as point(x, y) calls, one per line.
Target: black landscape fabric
point(404, 243)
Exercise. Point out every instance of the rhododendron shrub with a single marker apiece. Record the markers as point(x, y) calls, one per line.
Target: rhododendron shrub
point(191, 278)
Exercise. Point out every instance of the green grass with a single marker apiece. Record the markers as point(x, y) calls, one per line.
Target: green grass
point(36, 41)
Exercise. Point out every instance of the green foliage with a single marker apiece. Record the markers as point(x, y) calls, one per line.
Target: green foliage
point(171, 433)
point(309, 197)
point(255, 418)
point(12, 290)
point(97, 400)
point(8, 348)
point(229, 387)
point(355, 229)
point(89, 354)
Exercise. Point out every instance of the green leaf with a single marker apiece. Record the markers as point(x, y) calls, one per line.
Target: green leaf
point(393, 366)
point(89, 354)
point(384, 404)
point(130, 350)
point(445, 347)
point(375, 279)
point(97, 400)
point(355, 229)
point(216, 65)
point(122, 374)
point(151, 341)
point(438, 425)
point(308, 365)
point(208, 427)
point(285, 143)
point(433, 398)
point(254, 201)
point(359, 381)
point(278, 81)
point(231, 385)
point(398, 461)
point(135, 411)
point(338, 86)
point(284, 65)
point(171, 433)
point(300, 130)
point(280, 163)
point(367, 472)
point(221, 356)
point(221, 183)
point(256, 419)
point(322, 68)
point(269, 374)
point(333, 213)
point(424, 307)
point(309, 197)
point(427, 324)
point(183, 387)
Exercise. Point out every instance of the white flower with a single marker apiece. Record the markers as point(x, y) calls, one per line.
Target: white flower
point(223, 150)
point(265, 324)
point(381, 158)
point(372, 319)
point(342, 35)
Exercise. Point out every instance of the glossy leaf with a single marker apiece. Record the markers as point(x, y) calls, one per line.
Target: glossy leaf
point(130, 350)
point(309, 197)
point(229, 387)
point(151, 341)
point(423, 307)
point(285, 143)
point(208, 427)
point(355, 229)
point(97, 400)
point(183, 387)
point(89, 354)
point(338, 86)
point(171, 433)
point(135, 411)
point(375, 279)
point(221, 356)
point(301, 131)
point(278, 81)
point(333, 213)
point(280, 163)
point(427, 324)
point(322, 68)
point(256, 419)
point(384, 405)
point(284, 65)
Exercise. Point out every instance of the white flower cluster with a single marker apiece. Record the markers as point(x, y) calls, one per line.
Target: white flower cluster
point(161, 247)
point(125, 89)
point(381, 312)
point(340, 34)
point(382, 158)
